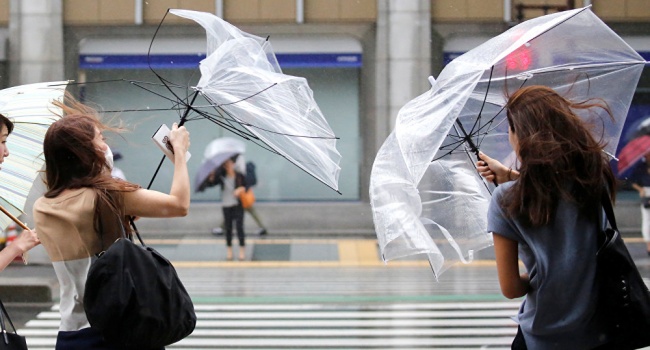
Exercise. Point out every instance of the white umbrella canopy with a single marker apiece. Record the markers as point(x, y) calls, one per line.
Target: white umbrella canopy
point(31, 110)
point(426, 195)
point(241, 78)
point(215, 154)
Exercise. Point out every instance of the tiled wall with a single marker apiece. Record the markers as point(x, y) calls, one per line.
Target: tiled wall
point(119, 12)
point(4, 13)
point(492, 10)
point(466, 10)
point(122, 12)
point(622, 10)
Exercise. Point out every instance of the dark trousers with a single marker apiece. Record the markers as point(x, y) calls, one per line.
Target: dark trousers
point(234, 214)
point(83, 339)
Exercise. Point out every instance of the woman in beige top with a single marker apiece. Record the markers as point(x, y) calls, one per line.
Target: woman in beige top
point(79, 187)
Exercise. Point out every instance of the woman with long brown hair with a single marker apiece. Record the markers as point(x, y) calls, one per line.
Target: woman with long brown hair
point(546, 212)
point(81, 195)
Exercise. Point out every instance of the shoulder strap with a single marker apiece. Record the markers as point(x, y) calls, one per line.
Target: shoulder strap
point(135, 229)
point(4, 314)
point(609, 210)
point(101, 230)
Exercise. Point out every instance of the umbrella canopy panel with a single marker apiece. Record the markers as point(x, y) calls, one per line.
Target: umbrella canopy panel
point(242, 79)
point(31, 110)
point(426, 194)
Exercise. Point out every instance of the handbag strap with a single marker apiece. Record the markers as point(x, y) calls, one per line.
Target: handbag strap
point(122, 235)
point(609, 210)
point(135, 229)
point(4, 314)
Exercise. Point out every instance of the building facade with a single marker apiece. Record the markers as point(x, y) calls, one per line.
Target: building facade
point(363, 59)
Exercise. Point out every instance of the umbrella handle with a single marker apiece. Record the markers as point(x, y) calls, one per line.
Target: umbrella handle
point(19, 223)
point(15, 219)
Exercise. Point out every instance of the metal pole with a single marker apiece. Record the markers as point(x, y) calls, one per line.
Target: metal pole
point(300, 11)
point(218, 5)
point(139, 12)
point(507, 11)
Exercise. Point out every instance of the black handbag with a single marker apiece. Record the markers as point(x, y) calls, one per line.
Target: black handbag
point(623, 298)
point(8, 340)
point(134, 297)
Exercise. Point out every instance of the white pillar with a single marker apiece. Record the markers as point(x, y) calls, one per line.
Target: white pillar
point(404, 26)
point(35, 41)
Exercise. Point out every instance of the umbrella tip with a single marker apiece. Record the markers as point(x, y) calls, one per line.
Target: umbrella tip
point(432, 80)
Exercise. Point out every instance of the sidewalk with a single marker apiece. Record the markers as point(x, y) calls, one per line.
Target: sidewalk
point(37, 283)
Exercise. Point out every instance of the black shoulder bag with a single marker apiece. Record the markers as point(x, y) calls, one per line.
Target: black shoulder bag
point(623, 298)
point(134, 297)
point(10, 341)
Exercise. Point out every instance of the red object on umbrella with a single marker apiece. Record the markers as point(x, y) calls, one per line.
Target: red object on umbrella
point(633, 152)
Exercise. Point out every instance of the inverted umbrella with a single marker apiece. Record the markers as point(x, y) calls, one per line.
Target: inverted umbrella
point(216, 153)
point(632, 153)
point(30, 108)
point(243, 83)
point(426, 194)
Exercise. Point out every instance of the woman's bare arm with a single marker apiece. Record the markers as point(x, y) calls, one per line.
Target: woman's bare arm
point(513, 284)
point(148, 203)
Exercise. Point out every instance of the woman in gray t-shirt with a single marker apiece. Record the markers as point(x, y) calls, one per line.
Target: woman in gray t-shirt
point(232, 185)
point(548, 217)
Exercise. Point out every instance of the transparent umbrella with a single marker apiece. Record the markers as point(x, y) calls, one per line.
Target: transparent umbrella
point(30, 108)
point(245, 87)
point(426, 194)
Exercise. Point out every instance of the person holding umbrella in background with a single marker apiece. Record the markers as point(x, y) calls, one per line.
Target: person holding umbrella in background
point(251, 180)
point(233, 183)
point(28, 238)
point(635, 156)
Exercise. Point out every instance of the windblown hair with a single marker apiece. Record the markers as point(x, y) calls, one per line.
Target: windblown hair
point(560, 159)
point(72, 161)
point(6, 122)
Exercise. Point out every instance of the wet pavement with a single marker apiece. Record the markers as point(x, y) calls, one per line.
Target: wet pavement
point(310, 293)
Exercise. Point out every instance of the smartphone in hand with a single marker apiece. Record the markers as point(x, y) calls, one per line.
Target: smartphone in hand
point(161, 139)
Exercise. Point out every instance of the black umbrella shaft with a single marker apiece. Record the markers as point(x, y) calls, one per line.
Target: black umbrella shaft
point(472, 145)
point(468, 138)
point(187, 110)
point(180, 123)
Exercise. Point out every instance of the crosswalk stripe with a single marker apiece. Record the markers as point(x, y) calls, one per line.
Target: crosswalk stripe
point(330, 325)
point(334, 315)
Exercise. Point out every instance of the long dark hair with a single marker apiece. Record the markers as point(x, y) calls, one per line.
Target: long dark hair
point(72, 161)
point(6, 122)
point(560, 159)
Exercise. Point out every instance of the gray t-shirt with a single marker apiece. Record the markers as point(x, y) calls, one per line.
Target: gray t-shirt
point(228, 198)
point(558, 311)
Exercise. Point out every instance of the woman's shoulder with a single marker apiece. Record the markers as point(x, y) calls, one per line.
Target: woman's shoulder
point(66, 199)
point(67, 195)
point(500, 190)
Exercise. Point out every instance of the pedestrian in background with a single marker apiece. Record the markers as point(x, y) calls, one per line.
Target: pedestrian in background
point(28, 238)
point(251, 180)
point(115, 171)
point(80, 190)
point(233, 183)
point(640, 180)
point(547, 214)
